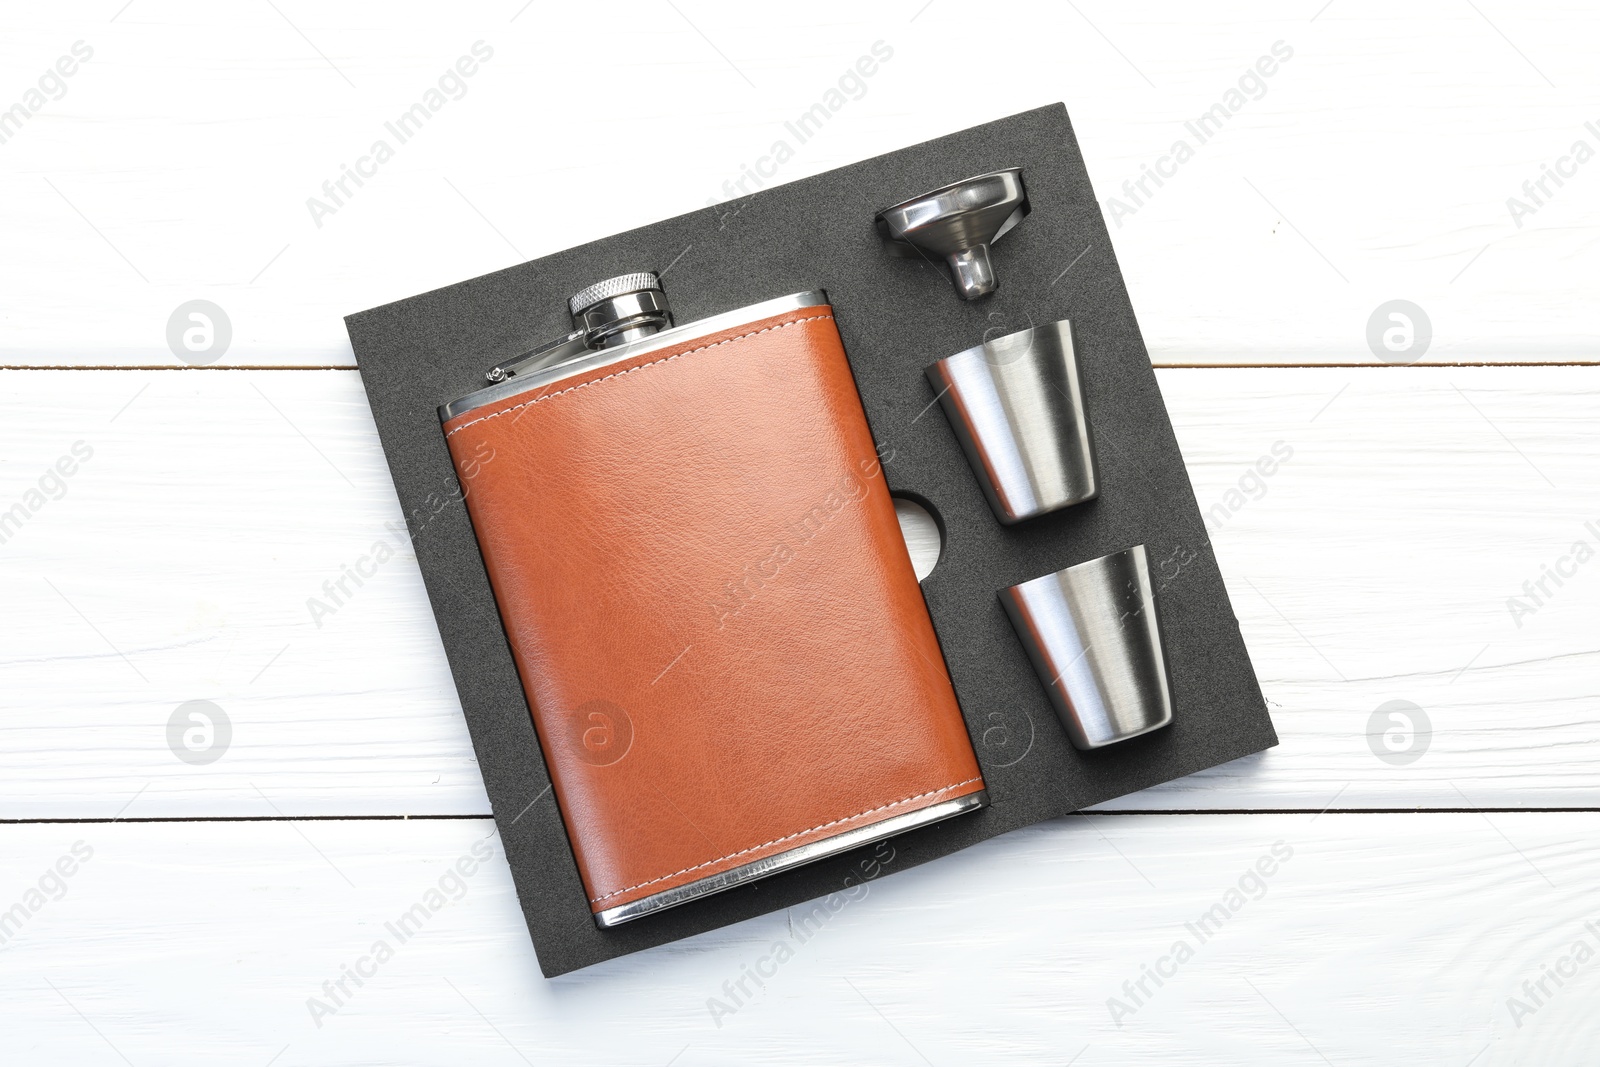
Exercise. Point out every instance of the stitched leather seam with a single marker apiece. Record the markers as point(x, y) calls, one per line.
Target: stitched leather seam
point(787, 837)
point(630, 370)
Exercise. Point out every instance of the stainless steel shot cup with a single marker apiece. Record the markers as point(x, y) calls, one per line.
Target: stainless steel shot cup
point(1016, 405)
point(1093, 634)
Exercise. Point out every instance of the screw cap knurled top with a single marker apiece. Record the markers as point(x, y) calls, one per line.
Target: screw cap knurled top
point(612, 287)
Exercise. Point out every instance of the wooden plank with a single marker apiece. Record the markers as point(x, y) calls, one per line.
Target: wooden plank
point(1373, 565)
point(178, 566)
point(1362, 170)
point(1374, 939)
point(1379, 563)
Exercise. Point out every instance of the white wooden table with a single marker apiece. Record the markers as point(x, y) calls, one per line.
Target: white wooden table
point(1439, 878)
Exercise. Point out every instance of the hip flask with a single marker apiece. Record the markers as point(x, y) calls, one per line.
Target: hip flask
point(712, 611)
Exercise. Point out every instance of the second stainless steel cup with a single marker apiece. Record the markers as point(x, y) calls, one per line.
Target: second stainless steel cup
point(1093, 634)
point(1016, 404)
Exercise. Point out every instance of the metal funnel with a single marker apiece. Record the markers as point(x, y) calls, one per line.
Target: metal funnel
point(958, 223)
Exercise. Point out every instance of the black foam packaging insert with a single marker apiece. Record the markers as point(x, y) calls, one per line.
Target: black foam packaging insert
point(896, 316)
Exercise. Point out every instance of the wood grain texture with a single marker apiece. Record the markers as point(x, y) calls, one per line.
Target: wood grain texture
point(1373, 564)
point(1379, 939)
point(1376, 162)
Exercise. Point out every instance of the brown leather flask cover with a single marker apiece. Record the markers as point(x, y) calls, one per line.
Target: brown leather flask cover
point(713, 612)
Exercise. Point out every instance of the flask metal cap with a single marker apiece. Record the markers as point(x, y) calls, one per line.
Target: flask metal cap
point(621, 285)
point(606, 314)
point(621, 309)
point(958, 222)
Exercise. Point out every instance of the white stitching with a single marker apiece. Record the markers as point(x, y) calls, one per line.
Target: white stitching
point(780, 840)
point(630, 370)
